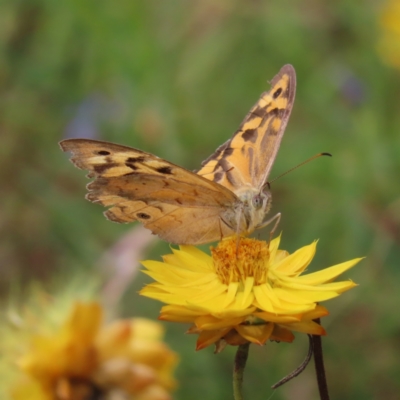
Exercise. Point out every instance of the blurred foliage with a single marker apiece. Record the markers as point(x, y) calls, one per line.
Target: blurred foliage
point(176, 78)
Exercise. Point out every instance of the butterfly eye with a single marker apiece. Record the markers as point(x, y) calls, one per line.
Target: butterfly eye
point(258, 201)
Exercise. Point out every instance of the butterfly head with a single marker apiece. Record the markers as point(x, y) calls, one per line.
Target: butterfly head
point(254, 205)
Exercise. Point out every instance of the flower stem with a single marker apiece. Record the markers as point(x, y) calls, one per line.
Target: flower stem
point(300, 368)
point(238, 369)
point(319, 366)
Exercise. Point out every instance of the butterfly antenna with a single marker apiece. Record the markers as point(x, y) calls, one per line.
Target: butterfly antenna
point(299, 165)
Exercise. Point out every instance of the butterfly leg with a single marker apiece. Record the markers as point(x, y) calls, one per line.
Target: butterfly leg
point(220, 228)
point(239, 219)
point(276, 218)
point(226, 223)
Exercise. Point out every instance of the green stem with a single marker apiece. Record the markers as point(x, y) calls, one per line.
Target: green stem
point(238, 369)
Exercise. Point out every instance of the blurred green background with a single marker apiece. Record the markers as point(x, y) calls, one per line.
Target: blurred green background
point(176, 78)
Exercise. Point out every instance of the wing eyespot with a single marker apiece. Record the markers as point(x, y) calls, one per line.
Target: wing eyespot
point(101, 168)
point(143, 215)
point(165, 170)
point(135, 159)
point(103, 153)
point(131, 166)
point(277, 93)
point(250, 135)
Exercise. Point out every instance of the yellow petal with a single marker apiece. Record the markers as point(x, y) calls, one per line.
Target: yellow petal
point(144, 328)
point(85, 320)
point(309, 327)
point(262, 299)
point(247, 295)
point(241, 302)
point(167, 273)
point(258, 334)
point(165, 316)
point(304, 296)
point(298, 261)
point(180, 311)
point(31, 389)
point(231, 293)
point(197, 254)
point(338, 287)
point(279, 256)
point(233, 338)
point(187, 258)
point(286, 308)
point(266, 297)
point(318, 312)
point(234, 312)
point(273, 247)
point(269, 317)
point(327, 274)
point(281, 334)
point(211, 306)
point(209, 337)
point(179, 295)
point(209, 322)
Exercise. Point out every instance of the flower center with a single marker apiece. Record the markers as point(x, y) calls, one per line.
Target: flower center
point(234, 260)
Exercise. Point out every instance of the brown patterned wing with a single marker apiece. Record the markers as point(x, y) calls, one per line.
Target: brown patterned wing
point(247, 158)
point(177, 205)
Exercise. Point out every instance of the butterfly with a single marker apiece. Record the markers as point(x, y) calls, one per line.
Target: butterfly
point(228, 195)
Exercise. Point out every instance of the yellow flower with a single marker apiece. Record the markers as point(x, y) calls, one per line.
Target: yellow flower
point(69, 352)
point(389, 40)
point(123, 360)
point(246, 292)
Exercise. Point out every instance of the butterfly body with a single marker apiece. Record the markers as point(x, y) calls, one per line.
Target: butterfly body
point(227, 196)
